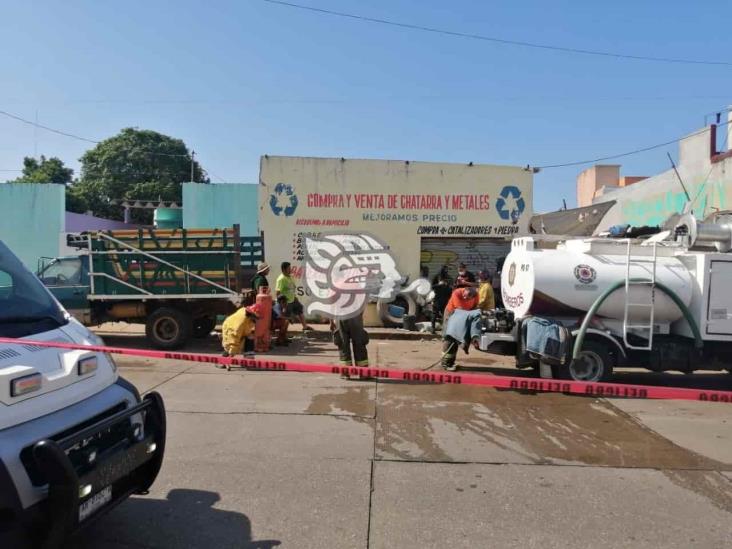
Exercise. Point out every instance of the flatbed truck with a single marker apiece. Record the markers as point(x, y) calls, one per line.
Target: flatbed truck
point(175, 281)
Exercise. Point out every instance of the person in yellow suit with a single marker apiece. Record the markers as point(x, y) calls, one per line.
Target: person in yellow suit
point(486, 299)
point(237, 327)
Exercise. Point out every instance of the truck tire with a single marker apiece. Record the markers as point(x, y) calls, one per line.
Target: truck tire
point(168, 328)
point(594, 363)
point(203, 326)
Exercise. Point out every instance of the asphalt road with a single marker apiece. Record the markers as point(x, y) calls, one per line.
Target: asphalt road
point(264, 459)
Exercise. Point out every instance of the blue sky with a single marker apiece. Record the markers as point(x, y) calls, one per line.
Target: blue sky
point(236, 80)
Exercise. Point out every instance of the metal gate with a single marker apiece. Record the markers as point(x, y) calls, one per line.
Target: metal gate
point(477, 254)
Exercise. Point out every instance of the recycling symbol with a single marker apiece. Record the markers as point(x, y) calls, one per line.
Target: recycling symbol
point(283, 200)
point(510, 204)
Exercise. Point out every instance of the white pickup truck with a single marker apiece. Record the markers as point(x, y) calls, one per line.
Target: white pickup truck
point(75, 438)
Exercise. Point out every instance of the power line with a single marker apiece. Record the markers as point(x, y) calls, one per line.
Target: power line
point(67, 134)
point(493, 39)
point(221, 179)
point(629, 153)
point(41, 126)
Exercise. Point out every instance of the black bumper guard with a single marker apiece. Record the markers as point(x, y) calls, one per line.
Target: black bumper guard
point(129, 466)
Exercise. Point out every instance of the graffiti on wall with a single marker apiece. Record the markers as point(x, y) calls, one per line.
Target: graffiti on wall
point(655, 209)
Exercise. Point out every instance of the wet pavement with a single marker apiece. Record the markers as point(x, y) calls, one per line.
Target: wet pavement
point(262, 459)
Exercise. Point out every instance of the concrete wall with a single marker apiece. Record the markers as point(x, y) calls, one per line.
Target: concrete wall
point(221, 205)
point(31, 218)
point(590, 181)
point(599, 180)
point(708, 178)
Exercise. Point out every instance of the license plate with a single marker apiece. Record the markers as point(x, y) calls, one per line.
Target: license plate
point(98, 500)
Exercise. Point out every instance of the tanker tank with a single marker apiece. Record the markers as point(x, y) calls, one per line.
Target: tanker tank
point(563, 278)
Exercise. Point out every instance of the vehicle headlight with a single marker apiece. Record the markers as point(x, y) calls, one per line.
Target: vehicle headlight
point(26, 384)
point(87, 365)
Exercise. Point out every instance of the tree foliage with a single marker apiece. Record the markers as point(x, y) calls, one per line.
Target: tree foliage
point(134, 164)
point(45, 170)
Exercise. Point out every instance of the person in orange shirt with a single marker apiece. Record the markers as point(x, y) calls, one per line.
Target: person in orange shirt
point(464, 298)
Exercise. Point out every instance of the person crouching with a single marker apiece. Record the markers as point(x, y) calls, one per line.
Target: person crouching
point(463, 299)
point(237, 328)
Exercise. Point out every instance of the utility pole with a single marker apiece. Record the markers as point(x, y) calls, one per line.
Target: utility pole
point(193, 156)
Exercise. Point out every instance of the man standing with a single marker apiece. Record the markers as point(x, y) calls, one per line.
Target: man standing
point(464, 277)
point(260, 279)
point(285, 286)
point(351, 339)
point(442, 289)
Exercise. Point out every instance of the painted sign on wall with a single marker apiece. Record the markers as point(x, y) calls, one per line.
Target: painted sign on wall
point(398, 202)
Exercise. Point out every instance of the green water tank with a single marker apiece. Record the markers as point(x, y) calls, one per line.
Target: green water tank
point(168, 218)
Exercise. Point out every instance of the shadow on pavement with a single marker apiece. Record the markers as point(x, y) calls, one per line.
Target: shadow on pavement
point(185, 519)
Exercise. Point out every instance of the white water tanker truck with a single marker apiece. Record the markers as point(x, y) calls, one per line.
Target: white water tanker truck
point(663, 303)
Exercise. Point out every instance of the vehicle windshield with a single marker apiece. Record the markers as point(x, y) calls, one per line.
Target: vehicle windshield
point(26, 308)
point(65, 271)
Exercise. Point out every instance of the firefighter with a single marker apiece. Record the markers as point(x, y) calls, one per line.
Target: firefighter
point(463, 298)
point(237, 328)
point(351, 339)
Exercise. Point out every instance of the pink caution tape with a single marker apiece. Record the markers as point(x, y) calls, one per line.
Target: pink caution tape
point(499, 382)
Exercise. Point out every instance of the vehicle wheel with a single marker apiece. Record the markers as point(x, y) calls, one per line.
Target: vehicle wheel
point(203, 326)
point(594, 363)
point(168, 328)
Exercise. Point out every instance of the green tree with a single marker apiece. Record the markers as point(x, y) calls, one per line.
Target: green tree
point(134, 164)
point(45, 170)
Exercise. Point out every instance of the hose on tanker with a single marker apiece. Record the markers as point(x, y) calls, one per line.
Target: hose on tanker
point(579, 338)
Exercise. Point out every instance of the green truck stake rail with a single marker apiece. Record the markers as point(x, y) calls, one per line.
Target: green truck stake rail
point(174, 281)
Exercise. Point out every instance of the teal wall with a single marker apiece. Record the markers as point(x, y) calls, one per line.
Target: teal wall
point(221, 205)
point(31, 218)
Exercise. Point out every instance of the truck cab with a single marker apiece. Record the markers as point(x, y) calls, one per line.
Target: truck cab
point(75, 437)
point(67, 278)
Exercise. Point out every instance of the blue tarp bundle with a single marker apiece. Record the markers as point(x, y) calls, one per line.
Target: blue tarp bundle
point(546, 338)
point(462, 326)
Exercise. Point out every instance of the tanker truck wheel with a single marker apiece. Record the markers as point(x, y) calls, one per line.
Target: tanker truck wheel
point(594, 363)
